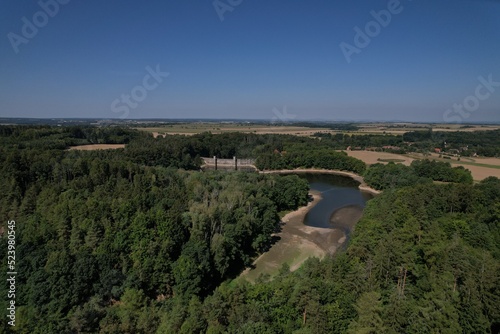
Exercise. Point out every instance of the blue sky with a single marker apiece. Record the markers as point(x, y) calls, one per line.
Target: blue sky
point(264, 55)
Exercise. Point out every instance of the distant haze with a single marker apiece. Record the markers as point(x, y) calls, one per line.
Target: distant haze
point(426, 60)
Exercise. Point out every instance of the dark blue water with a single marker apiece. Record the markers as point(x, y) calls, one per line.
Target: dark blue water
point(337, 192)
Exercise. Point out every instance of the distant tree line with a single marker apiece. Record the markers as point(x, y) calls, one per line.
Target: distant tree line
point(327, 125)
point(341, 141)
point(305, 156)
point(51, 137)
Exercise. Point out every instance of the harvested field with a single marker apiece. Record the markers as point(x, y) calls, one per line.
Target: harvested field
point(449, 128)
point(480, 168)
point(97, 147)
point(364, 129)
point(479, 173)
point(217, 128)
point(487, 161)
point(371, 157)
point(156, 134)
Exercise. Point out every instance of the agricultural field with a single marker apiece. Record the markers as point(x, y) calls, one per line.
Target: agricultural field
point(372, 157)
point(363, 128)
point(217, 128)
point(401, 128)
point(481, 168)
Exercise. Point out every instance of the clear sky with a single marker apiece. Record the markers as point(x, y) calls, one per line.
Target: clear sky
point(246, 58)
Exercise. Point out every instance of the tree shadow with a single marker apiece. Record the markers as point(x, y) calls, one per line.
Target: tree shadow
point(310, 198)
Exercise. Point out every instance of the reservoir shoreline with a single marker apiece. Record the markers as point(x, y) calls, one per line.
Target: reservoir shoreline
point(358, 178)
point(298, 241)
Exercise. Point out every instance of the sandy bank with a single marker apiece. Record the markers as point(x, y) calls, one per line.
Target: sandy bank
point(297, 242)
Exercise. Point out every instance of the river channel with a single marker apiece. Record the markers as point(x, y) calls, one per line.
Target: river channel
point(340, 196)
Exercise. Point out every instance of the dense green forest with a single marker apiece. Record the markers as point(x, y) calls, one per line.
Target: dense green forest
point(270, 151)
point(137, 240)
point(424, 259)
point(303, 156)
point(341, 141)
point(96, 228)
point(391, 175)
point(50, 137)
point(244, 145)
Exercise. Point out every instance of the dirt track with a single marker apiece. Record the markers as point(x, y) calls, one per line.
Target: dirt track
point(97, 147)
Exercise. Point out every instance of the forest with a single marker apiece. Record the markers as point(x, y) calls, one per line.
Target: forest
point(305, 156)
point(138, 240)
point(391, 175)
point(423, 259)
point(96, 228)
